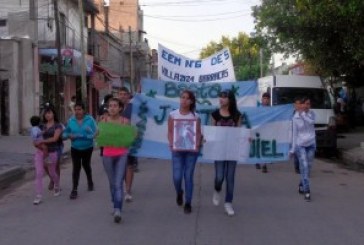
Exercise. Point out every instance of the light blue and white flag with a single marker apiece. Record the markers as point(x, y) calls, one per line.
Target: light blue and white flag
point(270, 128)
point(246, 92)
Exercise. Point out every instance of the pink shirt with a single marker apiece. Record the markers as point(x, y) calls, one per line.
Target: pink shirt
point(110, 151)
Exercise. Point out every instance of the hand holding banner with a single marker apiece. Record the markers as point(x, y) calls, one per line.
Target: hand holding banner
point(226, 143)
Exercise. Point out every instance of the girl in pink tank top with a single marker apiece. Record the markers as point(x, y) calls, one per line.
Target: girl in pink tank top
point(114, 160)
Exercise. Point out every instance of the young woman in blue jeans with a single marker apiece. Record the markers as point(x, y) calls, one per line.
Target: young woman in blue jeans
point(304, 144)
point(114, 159)
point(183, 162)
point(226, 116)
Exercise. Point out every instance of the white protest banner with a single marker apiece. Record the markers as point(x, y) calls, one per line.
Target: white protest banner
point(226, 143)
point(270, 129)
point(175, 67)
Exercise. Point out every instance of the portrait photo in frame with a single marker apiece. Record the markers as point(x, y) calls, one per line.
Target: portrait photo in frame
point(184, 135)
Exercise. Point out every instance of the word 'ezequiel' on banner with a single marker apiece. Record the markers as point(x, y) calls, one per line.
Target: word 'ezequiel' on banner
point(175, 67)
point(265, 135)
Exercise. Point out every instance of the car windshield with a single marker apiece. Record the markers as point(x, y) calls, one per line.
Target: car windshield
point(319, 97)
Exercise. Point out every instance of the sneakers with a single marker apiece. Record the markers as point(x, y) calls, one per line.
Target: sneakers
point(179, 199)
point(307, 197)
point(117, 216)
point(229, 209)
point(57, 192)
point(216, 198)
point(37, 200)
point(187, 209)
point(128, 197)
point(73, 194)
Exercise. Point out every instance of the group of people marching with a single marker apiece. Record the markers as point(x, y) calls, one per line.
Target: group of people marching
point(48, 135)
point(81, 129)
point(227, 115)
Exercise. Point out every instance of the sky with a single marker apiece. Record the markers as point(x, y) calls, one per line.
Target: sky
point(186, 26)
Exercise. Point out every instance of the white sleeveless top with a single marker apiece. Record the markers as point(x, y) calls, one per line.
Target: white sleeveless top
point(175, 114)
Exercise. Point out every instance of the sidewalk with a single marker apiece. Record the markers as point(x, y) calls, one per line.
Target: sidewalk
point(349, 146)
point(16, 158)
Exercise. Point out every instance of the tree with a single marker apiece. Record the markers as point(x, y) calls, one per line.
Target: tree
point(328, 34)
point(245, 55)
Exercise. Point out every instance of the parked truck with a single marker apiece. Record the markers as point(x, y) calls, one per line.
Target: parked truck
point(285, 88)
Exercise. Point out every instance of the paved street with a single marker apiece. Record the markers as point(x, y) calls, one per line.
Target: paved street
point(268, 210)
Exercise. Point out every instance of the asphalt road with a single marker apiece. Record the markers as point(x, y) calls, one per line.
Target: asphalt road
point(268, 209)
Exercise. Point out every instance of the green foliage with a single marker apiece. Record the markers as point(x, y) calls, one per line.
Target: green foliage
point(328, 34)
point(245, 54)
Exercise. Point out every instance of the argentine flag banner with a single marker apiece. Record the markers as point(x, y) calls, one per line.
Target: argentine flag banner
point(270, 128)
point(206, 93)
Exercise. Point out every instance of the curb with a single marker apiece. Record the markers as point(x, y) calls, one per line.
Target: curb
point(353, 158)
point(10, 175)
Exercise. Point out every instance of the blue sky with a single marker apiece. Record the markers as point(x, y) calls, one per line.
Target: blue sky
point(186, 26)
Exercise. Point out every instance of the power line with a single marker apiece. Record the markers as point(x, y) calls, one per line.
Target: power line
point(202, 20)
point(187, 3)
point(196, 16)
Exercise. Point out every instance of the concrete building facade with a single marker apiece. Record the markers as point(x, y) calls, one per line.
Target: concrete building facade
point(18, 85)
point(124, 20)
point(28, 58)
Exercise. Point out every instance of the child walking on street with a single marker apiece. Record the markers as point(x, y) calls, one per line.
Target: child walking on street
point(265, 102)
point(304, 144)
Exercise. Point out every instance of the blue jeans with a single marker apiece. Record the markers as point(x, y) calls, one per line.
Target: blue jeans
point(184, 166)
point(305, 157)
point(115, 170)
point(296, 162)
point(225, 169)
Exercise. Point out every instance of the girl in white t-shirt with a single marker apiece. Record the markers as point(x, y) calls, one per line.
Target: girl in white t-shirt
point(184, 161)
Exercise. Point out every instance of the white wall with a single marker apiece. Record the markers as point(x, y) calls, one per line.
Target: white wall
point(17, 57)
point(9, 60)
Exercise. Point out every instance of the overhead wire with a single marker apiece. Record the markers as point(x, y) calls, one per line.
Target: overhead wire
point(188, 3)
point(202, 20)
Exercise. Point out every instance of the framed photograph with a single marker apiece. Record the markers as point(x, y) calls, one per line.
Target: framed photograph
point(184, 135)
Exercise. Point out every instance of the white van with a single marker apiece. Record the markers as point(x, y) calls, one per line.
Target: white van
point(285, 88)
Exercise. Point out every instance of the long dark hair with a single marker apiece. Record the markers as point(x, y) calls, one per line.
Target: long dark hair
point(192, 97)
point(232, 106)
point(48, 109)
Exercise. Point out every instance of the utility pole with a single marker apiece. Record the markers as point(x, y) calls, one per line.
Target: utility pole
point(83, 59)
point(106, 13)
point(131, 63)
point(261, 61)
point(121, 67)
point(59, 83)
point(33, 12)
